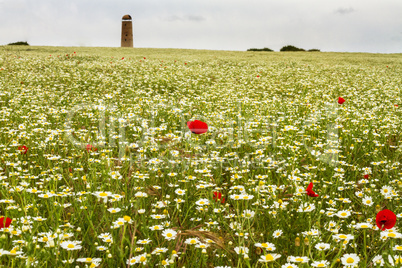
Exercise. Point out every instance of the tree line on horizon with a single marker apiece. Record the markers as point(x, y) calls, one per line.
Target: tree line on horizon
point(285, 48)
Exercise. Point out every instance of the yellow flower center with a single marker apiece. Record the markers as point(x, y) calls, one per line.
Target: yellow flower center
point(391, 235)
point(343, 236)
point(127, 218)
point(103, 194)
point(299, 259)
point(264, 245)
point(169, 235)
point(320, 265)
point(399, 247)
point(269, 257)
point(88, 259)
point(350, 260)
point(142, 259)
point(344, 214)
point(70, 246)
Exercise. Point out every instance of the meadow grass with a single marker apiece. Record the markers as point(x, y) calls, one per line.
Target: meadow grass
point(111, 175)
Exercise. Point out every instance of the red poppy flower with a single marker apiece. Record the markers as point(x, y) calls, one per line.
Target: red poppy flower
point(218, 196)
point(385, 219)
point(8, 222)
point(366, 176)
point(309, 190)
point(197, 127)
point(89, 147)
point(23, 149)
point(341, 100)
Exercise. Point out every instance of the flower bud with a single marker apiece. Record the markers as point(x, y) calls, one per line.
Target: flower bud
point(297, 242)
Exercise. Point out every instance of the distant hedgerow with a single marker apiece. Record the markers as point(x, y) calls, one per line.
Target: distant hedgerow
point(19, 43)
point(260, 49)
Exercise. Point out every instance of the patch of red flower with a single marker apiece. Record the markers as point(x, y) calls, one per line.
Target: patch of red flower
point(385, 219)
point(197, 127)
point(309, 190)
point(218, 197)
point(7, 224)
point(89, 147)
point(23, 149)
point(341, 100)
point(366, 176)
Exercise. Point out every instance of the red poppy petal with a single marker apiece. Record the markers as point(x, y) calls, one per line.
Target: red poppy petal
point(341, 100)
point(8, 222)
point(197, 127)
point(310, 187)
point(385, 219)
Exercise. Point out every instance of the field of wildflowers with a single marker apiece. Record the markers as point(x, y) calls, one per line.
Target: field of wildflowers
point(180, 158)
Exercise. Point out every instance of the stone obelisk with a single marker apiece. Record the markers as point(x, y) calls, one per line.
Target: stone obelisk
point(127, 31)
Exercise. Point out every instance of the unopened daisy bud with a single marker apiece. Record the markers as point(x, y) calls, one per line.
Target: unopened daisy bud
point(306, 242)
point(377, 208)
point(246, 256)
point(79, 229)
point(297, 242)
point(204, 251)
point(230, 243)
point(109, 256)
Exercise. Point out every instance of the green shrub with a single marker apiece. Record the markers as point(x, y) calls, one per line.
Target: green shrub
point(291, 48)
point(314, 50)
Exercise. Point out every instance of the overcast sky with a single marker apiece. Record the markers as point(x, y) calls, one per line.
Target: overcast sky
point(342, 25)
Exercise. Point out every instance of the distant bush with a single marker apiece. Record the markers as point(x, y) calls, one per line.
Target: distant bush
point(314, 50)
point(19, 43)
point(291, 48)
point(260, 49)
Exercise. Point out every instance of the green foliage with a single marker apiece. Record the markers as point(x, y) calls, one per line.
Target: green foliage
point(291, 48)
point(19, 43)
point(314, 50)
point(260, 49)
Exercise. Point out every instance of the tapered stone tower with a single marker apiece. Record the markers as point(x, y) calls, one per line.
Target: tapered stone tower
point(126, 31)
